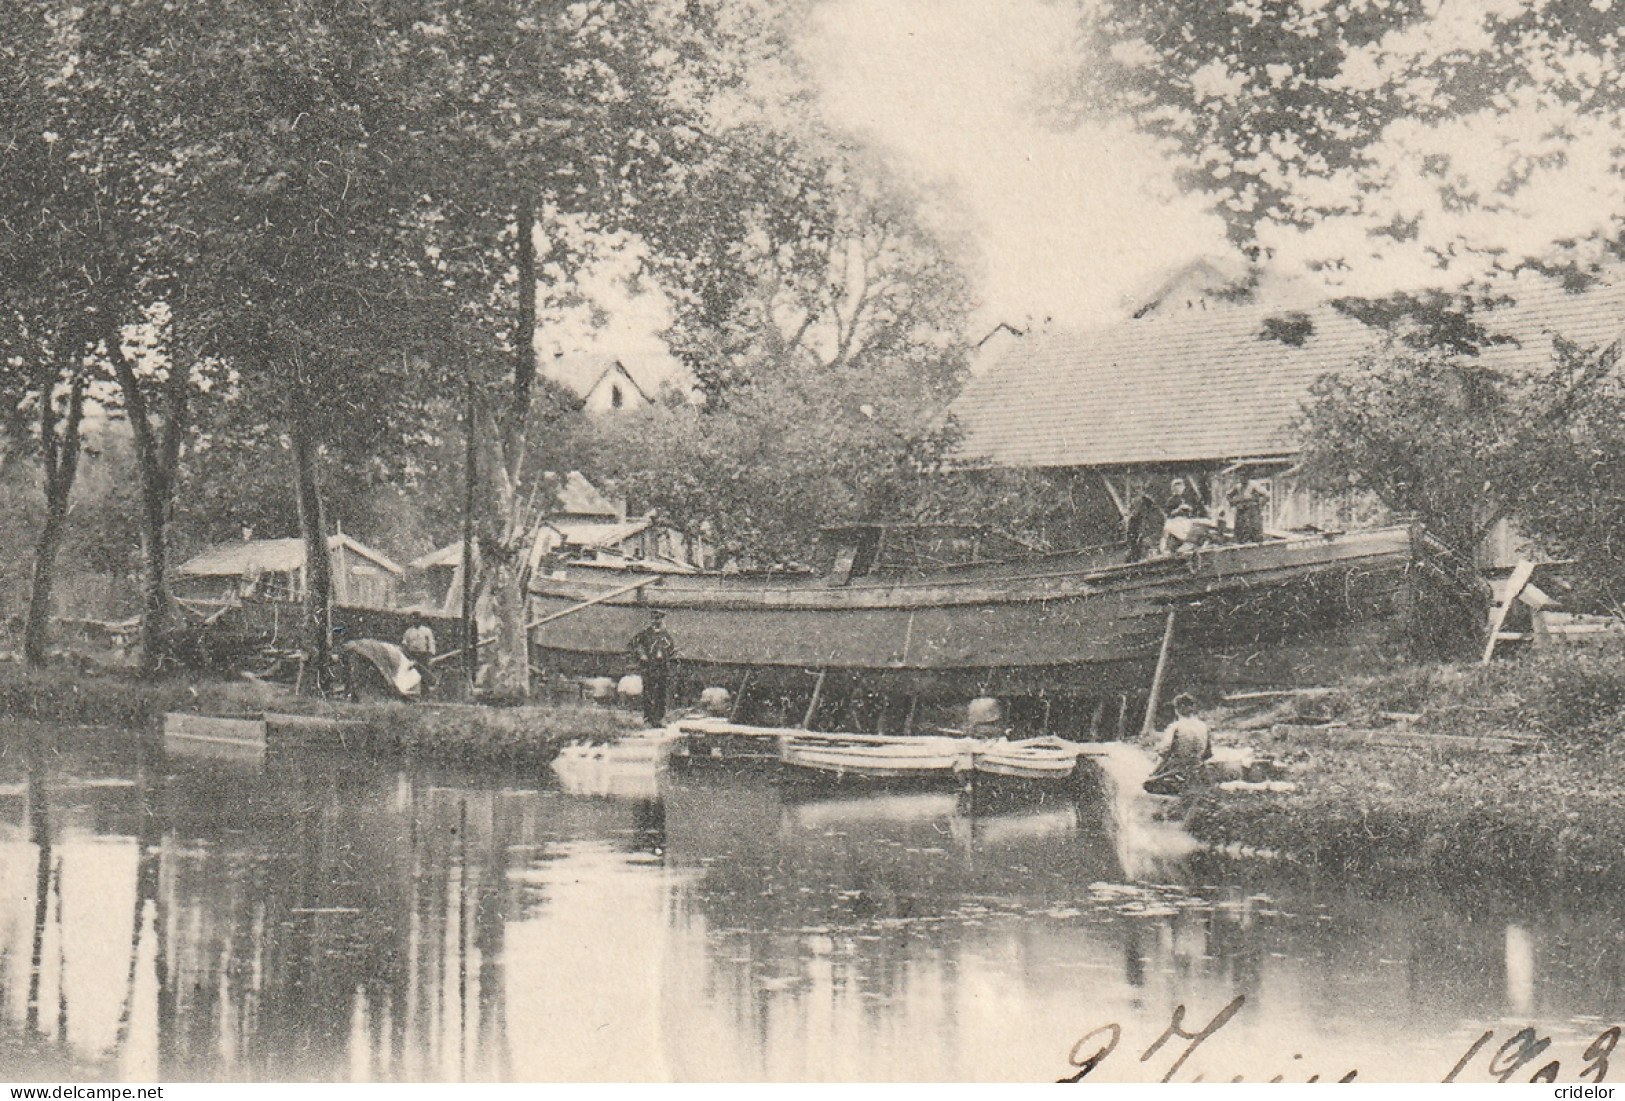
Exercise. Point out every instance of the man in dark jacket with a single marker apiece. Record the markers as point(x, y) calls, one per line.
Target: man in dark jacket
point(1144, 528)
point(653, 649)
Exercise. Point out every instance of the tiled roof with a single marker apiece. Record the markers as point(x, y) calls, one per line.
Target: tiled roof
point(271, 556)
point(1194, 387)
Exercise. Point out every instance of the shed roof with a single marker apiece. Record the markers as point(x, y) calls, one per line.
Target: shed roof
point(272, 556)
point(598, 533)
point(1227, 384)
point(449, 555)
point(579, 497)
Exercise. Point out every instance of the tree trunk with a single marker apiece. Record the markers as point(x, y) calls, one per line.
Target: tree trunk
point(37, 632)
point(508, 548)
point(471, 489)
point(510, 666)
point(504, 562)
point(154, 572)
point(60, 451)
point(313, 527)
point(157, 458)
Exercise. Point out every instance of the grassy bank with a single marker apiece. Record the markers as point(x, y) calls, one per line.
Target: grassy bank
point(1552, 815)
point(522, 736)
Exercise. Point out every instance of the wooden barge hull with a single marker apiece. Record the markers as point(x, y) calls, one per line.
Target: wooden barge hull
point(1054, 625)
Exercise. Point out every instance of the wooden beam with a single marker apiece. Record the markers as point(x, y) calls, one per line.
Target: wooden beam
point(1123, 509)
point(1521, 574)
point(572, 610)
point(818, 692)
point(733, 712)
point(1149, 725)
point(622, 591)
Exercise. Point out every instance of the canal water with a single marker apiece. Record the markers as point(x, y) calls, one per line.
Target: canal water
point(332, 918)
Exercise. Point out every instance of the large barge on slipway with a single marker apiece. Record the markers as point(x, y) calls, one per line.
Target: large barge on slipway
point(1003, 624)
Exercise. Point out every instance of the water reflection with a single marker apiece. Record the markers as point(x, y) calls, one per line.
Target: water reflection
point(336, 919)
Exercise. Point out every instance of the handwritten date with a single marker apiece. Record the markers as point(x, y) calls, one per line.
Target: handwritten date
point(1516, 1054)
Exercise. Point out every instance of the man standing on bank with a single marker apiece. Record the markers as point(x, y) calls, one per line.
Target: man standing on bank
point(652, 648)
point(418, 643)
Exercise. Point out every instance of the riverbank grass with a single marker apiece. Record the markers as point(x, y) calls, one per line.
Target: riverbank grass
point(524, 736)
point(1552, 813)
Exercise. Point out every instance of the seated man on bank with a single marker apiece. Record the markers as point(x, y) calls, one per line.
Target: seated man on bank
point(1185, 748)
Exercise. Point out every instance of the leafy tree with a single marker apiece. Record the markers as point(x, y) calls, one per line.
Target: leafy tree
point(1428, 430)
point(52, 269)
point(828, 347)
point(1334, 131)
point(49, 374)
point(1418, 422)
point(1571, 452)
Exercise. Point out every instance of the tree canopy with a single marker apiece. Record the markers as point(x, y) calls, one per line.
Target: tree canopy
point(1430, 431)
point(1421, 131)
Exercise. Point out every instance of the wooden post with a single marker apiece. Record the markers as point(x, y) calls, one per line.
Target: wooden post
point(733, 712)
point(471, 631)
point(1150, 724)
point(818, 692)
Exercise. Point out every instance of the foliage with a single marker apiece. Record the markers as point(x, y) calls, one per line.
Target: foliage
point(1418, 423)
point(1570, 457)
point(1332, 133)
point(1431, 432)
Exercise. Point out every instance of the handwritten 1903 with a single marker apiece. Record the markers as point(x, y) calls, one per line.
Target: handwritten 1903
point(1519, 1052)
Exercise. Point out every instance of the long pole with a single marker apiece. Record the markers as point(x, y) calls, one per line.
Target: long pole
point(611, 595)
point(1150, 723)
point(471, 653)
point(572, 610)
point(818, 694)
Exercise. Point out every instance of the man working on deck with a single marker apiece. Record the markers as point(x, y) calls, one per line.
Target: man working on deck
point(1143, 530)
point(652, 648)
point(1248, 504)
point(1186, 746)
point(1185, 531)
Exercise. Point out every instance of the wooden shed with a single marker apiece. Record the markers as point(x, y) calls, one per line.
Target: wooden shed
point(274, 569)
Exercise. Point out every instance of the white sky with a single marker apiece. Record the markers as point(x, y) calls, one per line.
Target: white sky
point(1069, 225)
point(1068, 222)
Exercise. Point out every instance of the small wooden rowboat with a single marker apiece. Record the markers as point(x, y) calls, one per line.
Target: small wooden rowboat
point(1039, 759)
point(711, 738)
point(215, 737)
point(925, 759)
